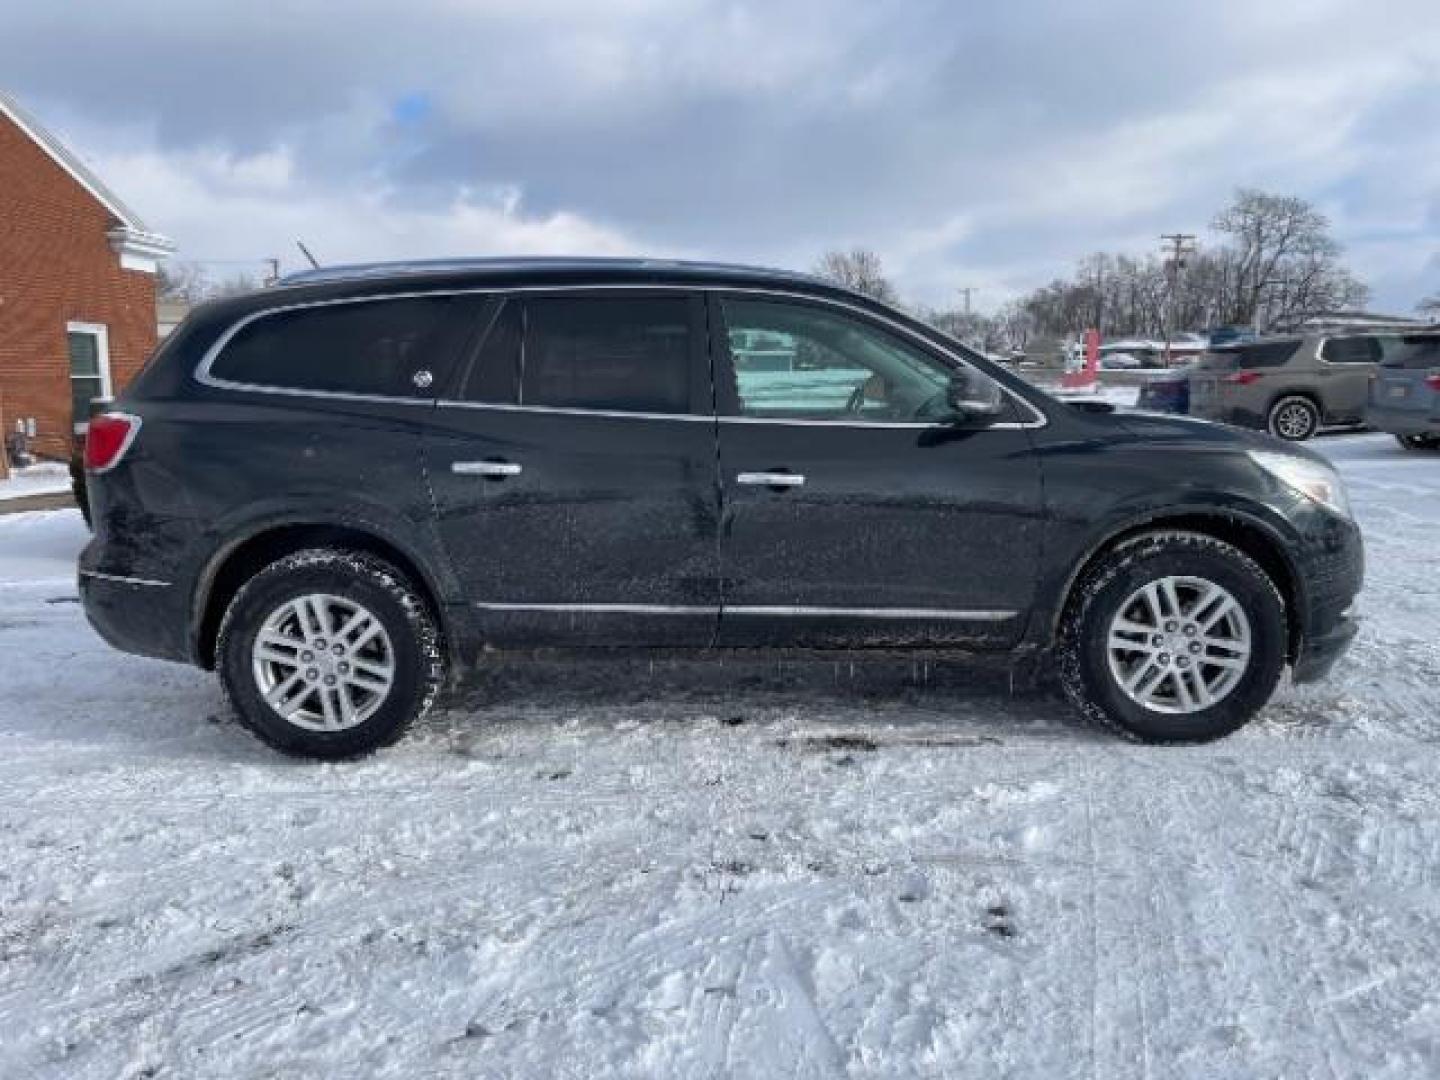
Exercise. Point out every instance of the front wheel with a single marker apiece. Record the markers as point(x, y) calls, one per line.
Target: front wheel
point(1174, 637)
point(329, 654)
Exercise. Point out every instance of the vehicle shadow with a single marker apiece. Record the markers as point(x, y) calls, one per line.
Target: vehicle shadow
point(961, 701)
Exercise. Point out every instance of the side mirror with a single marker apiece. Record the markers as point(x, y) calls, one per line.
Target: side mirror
point(972, 397)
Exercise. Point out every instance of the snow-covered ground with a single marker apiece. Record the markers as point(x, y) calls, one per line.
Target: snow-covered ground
point(699, 871)
point(42, 478)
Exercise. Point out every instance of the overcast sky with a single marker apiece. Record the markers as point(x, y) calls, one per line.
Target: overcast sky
point(970, 143)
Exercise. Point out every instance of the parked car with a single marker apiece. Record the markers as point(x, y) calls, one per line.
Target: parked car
point(1405, 394)
point(1120, 361)
point(347, 490)
point(1167, 393)
point(1289, 386)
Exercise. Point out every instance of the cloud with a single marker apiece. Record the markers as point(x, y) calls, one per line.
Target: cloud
point(986, 145)
point(256, 206)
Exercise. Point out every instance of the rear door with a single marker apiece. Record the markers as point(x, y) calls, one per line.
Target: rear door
point(1347, 365)
point(853, 516)
point(572, 466)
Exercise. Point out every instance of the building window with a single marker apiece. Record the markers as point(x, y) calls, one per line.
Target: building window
point(89, 345)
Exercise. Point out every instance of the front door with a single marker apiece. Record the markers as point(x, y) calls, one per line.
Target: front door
point(573, 472)
point(854, 515)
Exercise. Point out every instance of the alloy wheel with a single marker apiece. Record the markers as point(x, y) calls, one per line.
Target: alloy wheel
point(323, 663)
point(1294, 420)
point(1179, 645)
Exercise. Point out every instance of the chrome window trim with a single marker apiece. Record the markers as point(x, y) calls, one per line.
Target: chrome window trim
point(124, 580)
point(604, 609)
point(777, 610)
point(202, 371)
point(618, 414)
point(804, 611)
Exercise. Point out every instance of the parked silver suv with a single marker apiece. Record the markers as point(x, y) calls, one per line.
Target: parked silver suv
point(1405, 398)
point(1290, 386)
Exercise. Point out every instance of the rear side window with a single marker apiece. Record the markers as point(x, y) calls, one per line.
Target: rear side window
point(1418, 352)
point(354, 348)
point(1352, 350)
point(1267, 354)
point(495, 371)
point(624, 354)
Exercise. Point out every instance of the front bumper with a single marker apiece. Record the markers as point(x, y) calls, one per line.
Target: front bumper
point(1402, 421)
point(1318, 653)
point(1330, 566)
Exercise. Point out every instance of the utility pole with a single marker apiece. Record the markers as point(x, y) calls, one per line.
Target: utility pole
point(1180, 245)
point(274, 265)
point(965, 292)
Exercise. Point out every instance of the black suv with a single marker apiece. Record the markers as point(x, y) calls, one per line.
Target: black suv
point(343, 490)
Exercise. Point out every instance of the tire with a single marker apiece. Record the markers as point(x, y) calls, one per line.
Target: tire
point(1293, 418)
point(388, 682)
point(79, 490)
point(1418, 442)
point(1090, 671)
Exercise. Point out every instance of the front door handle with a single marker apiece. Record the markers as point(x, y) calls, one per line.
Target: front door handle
point(491, 470)
point(771, 479)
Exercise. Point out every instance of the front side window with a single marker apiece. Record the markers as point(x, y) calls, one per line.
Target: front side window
point(89, 369)
point(623, 354)
point(367, 347)
point(799, 361)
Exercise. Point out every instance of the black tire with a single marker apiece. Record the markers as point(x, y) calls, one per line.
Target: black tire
point(382, 590)
point(79, 489)
point(1293, 418)
point(1419, 442)
point(1085, 673)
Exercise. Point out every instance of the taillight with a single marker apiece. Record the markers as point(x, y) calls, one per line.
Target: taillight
point(1433, 381)
point(109, 436)
point(1243, 378)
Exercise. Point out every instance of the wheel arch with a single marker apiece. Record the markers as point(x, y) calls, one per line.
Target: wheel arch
point(235, 563)
point(1253, 537)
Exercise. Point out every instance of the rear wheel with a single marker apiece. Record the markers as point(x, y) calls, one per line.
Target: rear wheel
point(329, 654)
point(1294, 418)
point(1419, 442)
point(1174, 637)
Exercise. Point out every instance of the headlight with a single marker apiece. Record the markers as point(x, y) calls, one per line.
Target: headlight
point(1312, 479)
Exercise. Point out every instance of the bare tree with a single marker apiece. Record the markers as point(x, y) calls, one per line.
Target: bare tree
point(1276, 263)
point(180, 280)
point(192, 283)
point(1429, 307)
point(858, 269)
point(1285, 263)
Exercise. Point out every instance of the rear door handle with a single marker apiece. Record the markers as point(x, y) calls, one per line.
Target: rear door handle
point(491, 470)
point(771, 479)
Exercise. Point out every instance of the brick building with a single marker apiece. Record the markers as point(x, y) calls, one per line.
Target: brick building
point(77, 285)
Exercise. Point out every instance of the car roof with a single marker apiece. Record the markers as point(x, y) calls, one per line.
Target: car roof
point(515, 270)
point(390, 279)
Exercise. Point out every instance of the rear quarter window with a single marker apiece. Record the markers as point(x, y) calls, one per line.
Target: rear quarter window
point(367, 347)
point(1352, 350)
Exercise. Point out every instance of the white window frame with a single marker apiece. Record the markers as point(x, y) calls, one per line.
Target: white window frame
point(101, 333)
